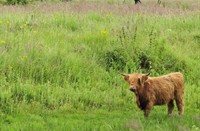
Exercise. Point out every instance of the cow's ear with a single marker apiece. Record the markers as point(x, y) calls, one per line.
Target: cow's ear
point(142, 79)
point(126, 77)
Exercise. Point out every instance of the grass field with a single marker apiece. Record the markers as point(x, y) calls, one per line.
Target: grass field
point(60, 63)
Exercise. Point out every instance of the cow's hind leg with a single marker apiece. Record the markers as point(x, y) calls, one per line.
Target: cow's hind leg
point(170, 107)
point(180, 104)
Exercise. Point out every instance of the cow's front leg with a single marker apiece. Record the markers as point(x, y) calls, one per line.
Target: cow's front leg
point(148, 109)
point(170, 107)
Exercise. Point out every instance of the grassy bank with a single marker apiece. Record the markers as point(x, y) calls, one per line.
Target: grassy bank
point(60, 64)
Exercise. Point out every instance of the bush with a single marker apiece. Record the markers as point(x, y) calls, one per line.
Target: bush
point(14, 2)
point(115, 59)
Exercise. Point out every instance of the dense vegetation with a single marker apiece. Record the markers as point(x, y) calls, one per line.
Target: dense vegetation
point(60, 64)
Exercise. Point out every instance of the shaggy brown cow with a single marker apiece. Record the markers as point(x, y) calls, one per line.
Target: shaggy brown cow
point(150, 91)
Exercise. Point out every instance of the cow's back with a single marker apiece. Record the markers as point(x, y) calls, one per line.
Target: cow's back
point(164, 87)
point(177, 80)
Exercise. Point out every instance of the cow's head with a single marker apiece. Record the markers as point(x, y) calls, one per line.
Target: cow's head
point(136, 81)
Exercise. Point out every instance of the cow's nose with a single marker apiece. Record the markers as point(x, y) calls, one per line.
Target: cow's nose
point(132, 88)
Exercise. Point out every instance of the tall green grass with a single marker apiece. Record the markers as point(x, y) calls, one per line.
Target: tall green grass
point(70, 63)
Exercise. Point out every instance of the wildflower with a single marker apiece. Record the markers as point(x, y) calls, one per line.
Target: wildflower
point(104, 33)
point(2, 42)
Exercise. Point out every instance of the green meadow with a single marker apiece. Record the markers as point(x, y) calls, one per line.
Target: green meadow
point(60, 63)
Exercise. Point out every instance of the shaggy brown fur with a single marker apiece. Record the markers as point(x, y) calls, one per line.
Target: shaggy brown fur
point(150, 91)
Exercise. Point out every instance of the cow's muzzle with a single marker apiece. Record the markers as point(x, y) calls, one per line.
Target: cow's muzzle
point(132, 88)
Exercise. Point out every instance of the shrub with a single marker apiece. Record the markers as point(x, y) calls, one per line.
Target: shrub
point(14, 2)
point(115, 59)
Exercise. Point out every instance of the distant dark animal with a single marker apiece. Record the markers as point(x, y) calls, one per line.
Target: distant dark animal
point(150, 91)
point(138, 1)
